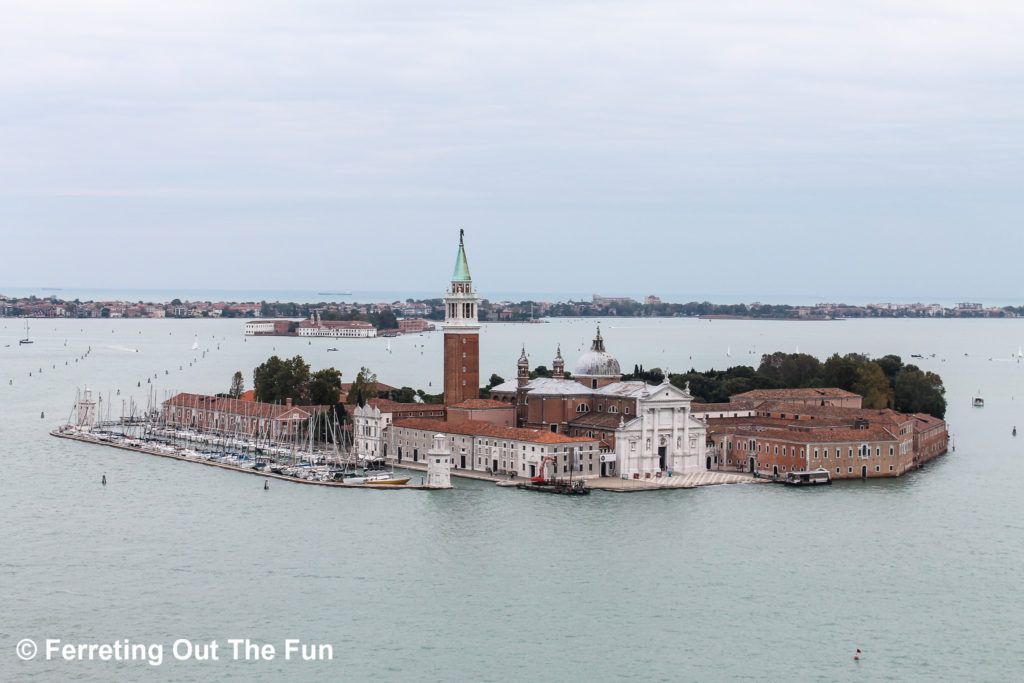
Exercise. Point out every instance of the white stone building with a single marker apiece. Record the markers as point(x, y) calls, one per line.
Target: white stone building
point(664, 437)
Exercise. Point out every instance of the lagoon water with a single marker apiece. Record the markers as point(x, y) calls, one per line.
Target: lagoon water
point(922, 573)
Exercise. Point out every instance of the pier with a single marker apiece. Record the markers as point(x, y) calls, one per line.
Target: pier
point(90, 438)
point(611, 484)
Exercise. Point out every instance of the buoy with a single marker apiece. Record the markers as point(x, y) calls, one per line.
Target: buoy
point(1015, 430)
point(857, 656)
point(42, 416)
point(104, 480)
point(266, 485)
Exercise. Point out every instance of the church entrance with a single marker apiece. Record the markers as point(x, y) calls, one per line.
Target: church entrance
point(604, 469)
point(709, 462)
point(494, 466)
point(864, 471)
point(661, 457)
point(752, 463)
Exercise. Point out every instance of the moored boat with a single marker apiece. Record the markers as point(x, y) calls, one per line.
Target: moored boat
point(818, 477)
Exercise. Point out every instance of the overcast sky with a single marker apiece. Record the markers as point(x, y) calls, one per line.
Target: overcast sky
point(749, 149)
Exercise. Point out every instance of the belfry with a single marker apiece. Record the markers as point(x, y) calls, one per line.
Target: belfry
point(461, 334)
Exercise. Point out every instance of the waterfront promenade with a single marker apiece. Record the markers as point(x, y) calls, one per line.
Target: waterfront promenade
point(613, 484)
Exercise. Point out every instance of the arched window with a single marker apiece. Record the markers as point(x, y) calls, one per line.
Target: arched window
point(613, 409)
point(582, 408)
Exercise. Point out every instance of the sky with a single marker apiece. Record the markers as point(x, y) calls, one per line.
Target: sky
point(810, 149)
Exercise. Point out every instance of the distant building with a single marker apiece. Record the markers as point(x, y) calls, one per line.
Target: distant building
point(601, 301)
point(652, 301)
point(260, 327)
point(316, 327)
point(412, 325)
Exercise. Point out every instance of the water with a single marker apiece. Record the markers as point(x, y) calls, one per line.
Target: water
point(721, 583)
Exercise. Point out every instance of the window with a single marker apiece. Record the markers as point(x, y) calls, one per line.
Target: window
point(627, 410)
point(613, 409)
point(600, 407)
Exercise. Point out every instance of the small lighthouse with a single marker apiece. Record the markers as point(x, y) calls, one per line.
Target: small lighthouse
point(86, 410)
point(439, 463)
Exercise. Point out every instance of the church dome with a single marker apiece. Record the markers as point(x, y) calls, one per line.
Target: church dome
point(597, 362)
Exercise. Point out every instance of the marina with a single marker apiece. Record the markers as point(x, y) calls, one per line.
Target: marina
point(165, 450)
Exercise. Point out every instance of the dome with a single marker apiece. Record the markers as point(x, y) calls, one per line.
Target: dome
point(597, 362)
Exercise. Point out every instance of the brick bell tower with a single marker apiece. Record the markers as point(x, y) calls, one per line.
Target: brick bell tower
point(461, 335)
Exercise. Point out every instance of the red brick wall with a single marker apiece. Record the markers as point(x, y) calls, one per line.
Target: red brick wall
point(461, 367)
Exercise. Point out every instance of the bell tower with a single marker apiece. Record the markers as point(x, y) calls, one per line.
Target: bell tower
point(522, 369)
point(558, 365)
point(461, 334)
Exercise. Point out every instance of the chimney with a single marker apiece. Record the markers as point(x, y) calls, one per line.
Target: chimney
point(288, 403)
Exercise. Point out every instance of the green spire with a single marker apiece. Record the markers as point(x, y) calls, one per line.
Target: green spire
point(461, 273)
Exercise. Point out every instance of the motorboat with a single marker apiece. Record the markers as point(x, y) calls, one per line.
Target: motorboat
point(816, 477)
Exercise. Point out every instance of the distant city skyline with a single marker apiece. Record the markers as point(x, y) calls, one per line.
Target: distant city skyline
point(790, 151)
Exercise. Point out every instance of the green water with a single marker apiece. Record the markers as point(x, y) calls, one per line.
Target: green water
point(922, 573)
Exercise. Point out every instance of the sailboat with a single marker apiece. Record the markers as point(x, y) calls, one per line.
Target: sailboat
point(728, 351)
point(388, 347)
point(26, 340)
point(1020, 352)
point(195, 343)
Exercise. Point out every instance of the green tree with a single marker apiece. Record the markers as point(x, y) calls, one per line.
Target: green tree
point(920, 392)
point(841, 371)
point(405, 395)
point(277, 380)
point(891, 366)
point(364, 388)
point(791, 370)
point(494, 381)
point(873, 386)
point(324, 387)
point(237, 385)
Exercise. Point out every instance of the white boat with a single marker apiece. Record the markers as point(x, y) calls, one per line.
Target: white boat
point(26, 340)
point(978, 401)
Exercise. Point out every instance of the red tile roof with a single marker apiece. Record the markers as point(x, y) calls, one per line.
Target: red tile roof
point(809, 392)
point(481, 404)
point(237, 406)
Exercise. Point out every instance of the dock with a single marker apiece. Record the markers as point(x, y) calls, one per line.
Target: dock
point(612, 484)
point(265, 475)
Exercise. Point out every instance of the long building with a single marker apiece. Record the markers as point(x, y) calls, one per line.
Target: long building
point(786, 434)
point(484, 447)
point(235, 416)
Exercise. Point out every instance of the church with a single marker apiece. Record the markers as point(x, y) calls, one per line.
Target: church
point(644, 430)
point(593, 423)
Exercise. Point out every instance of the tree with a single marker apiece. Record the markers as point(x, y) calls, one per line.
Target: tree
point(891, 365)
point(920, 392)
point(494, 381)
point(364, 388)
point(840, 371)
point(791, 370)
point(405, 395)
point(237, 385)
point(324, 387)
point(873, 386)
point(277, 380)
